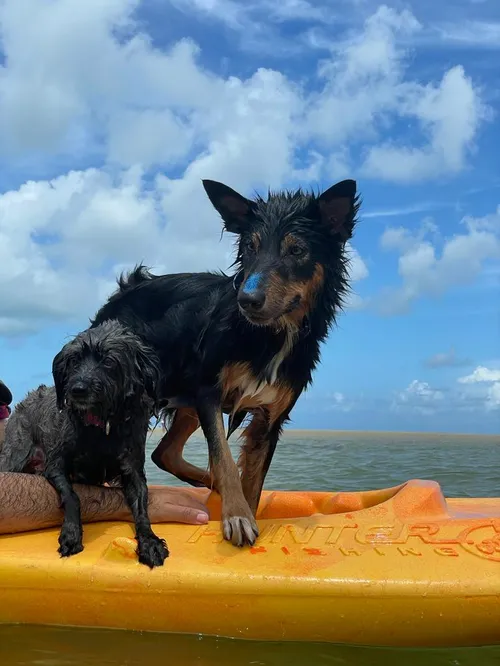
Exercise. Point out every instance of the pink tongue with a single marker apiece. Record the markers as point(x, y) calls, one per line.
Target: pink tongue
point(90, 419)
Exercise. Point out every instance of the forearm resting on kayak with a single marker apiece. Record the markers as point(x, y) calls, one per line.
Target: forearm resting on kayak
point(29, 502)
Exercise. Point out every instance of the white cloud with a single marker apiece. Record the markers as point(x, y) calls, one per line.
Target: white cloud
point(292, 10)
point(149, 137)
point(54, 236)
point(484, 383)
point(472, 33)
point(490, 223)
point(81, 83)
point(229, 12)
point(481, 374)
point(493, 397)
point(429, 265)
point(418, 397)
point(449, 115)
point(58, 92)
point(366, 91)
point(411, 209)
point(478, 392)
point(358, 270)
point(336, 402)
point(48, 233)
point(246, 18)
point(361, 79)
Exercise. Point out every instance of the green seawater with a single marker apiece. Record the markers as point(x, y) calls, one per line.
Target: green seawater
point(464, 465)
point(40, 646)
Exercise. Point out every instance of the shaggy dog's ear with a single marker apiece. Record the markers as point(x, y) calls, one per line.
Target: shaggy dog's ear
point(59, 375)
point(147, 369)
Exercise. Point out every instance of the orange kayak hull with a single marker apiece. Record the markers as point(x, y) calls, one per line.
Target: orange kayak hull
point(400, 566)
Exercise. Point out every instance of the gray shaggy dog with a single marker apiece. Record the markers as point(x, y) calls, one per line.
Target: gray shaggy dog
point(91, 427)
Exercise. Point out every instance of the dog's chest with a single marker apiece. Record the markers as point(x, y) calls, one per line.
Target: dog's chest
point(242, 390)
point(96, 459)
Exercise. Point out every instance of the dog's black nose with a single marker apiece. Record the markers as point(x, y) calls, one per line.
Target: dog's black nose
point(251, 300)
point(79, 390)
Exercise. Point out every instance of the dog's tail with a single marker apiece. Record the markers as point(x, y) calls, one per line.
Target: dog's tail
point(166, 416)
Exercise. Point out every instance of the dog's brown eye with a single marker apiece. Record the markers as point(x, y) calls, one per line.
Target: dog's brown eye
point(297, 251)
point(248, 245)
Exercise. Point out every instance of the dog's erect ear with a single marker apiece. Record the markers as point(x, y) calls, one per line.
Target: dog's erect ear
point(337, 208)
point(59, 375)
point(234, 209)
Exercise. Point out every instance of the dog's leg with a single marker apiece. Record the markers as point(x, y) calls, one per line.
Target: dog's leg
point(238, 523)
point(151, 550)
point(168, 454)
point(71, 535)
point(256, 456)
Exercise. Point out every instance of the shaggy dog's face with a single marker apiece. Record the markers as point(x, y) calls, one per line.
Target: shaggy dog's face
point(97, 371)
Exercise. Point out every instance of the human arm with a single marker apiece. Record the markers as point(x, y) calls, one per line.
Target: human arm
point(29, 502)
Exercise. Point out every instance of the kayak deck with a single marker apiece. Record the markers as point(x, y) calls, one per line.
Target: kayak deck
point(400, 566)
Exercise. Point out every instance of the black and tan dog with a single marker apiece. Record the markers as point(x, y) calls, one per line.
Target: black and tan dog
point(246, 343)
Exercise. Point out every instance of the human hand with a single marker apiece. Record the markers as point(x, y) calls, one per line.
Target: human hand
point(178, 505)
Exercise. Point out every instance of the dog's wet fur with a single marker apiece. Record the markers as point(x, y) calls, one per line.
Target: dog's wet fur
point(244, 344)
point(91, 428)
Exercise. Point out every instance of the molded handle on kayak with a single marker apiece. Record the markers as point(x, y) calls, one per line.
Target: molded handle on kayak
point(414, 498)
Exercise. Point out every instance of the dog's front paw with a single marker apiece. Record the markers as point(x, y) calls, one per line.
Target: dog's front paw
point(70, 541)
point(240, 530)
point(152, 551)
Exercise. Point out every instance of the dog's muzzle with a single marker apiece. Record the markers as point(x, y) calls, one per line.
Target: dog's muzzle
point(87, 416)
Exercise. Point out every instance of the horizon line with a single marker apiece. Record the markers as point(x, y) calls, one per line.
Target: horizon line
point(380, 432)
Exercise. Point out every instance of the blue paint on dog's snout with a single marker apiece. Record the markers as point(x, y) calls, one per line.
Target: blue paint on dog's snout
point(252, 282)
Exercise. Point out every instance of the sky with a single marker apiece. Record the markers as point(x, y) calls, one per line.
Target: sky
point(112, 111)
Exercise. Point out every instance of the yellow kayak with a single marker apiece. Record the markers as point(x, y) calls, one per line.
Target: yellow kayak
point(401, 566)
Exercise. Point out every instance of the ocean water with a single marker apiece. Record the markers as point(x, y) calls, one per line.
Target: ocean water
point(463, 465)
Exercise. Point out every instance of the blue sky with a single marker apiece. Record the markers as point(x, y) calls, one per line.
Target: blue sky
point(112, 111)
